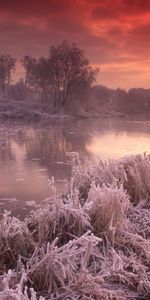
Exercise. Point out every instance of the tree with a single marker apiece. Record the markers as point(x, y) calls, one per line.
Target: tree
point(64, 74)
point(18, 90)
point(38, 74)
point(7, 66)
point(71, 72)
point(28, 63)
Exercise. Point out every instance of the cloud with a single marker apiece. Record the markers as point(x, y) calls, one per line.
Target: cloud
point(113, 33)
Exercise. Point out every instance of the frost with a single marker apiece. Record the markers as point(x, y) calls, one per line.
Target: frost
point(93, 242)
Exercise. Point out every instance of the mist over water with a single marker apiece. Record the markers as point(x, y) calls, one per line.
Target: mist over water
point(31, 154)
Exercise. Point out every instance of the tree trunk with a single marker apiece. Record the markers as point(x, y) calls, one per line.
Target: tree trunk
point(4, 91)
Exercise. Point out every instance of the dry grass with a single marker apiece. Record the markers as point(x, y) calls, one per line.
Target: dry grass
point(61, 218)
point(108, 211)
point(132, 171)
point(15, 240)
point(93, 243)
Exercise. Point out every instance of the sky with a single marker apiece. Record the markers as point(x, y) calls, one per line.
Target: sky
point(115, 34)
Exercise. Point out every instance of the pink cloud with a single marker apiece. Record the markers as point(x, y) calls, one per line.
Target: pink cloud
point(113, 33)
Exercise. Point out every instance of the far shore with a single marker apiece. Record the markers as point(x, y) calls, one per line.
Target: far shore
point(17, 111)
point(32, 111)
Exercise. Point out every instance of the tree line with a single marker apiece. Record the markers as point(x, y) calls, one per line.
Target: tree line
point(66, 73)
point(133, 101)
point(64, 77)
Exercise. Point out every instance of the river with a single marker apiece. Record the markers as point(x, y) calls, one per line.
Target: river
point(30, 154)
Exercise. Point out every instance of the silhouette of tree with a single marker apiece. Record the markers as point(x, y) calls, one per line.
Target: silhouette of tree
point(7, 66)
point(72, 72)
point(28, 63)
point(63, 74)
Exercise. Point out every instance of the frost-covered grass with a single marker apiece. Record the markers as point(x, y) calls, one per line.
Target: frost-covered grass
point(23, 110)
point(30, 110)
point(91, 243)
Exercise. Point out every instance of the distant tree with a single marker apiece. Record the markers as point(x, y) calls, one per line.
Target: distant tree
point(18, 91)
point(71, 71)
point(103, 94)
point(38, 74)
point(64, 74)
point(7, 66)
point(42, 76)
point(138, 99)
point(28, 63)
point(120, 100)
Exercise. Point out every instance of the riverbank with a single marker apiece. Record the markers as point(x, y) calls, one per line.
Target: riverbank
point(17, 111)
point(92, 242)
point(38, 111)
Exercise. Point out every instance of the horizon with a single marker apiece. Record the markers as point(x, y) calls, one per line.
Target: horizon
point(114, 36)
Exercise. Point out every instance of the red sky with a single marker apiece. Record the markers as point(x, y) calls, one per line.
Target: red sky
point(115, 34)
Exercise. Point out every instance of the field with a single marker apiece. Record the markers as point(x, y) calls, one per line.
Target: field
point(91, 243)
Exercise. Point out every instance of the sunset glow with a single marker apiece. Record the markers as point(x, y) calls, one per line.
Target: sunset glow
point(114, 34)
point(118, 145)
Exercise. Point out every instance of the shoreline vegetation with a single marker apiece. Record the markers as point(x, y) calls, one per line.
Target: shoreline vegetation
point(92, 242)
point(33, 111)
point(63, 85)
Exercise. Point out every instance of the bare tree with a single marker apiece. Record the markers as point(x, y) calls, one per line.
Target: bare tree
point(7, 66)
point(28, 63)
point(38, 74)
point(18, 91)
point(63, 74)
point(71, 72)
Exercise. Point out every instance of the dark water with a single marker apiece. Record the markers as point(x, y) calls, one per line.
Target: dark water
point(30, 154)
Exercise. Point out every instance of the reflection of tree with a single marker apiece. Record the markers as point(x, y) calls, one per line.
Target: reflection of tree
point(46, 144)
point(19, 137)
point(6, 152)
point(50, 143)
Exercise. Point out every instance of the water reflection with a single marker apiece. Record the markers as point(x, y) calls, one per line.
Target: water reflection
point(114, 145)
point(31, 154)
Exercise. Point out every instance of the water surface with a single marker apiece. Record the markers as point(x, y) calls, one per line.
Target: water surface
point(30, 154)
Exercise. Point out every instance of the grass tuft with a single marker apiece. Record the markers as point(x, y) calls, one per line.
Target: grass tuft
point(91, 243)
